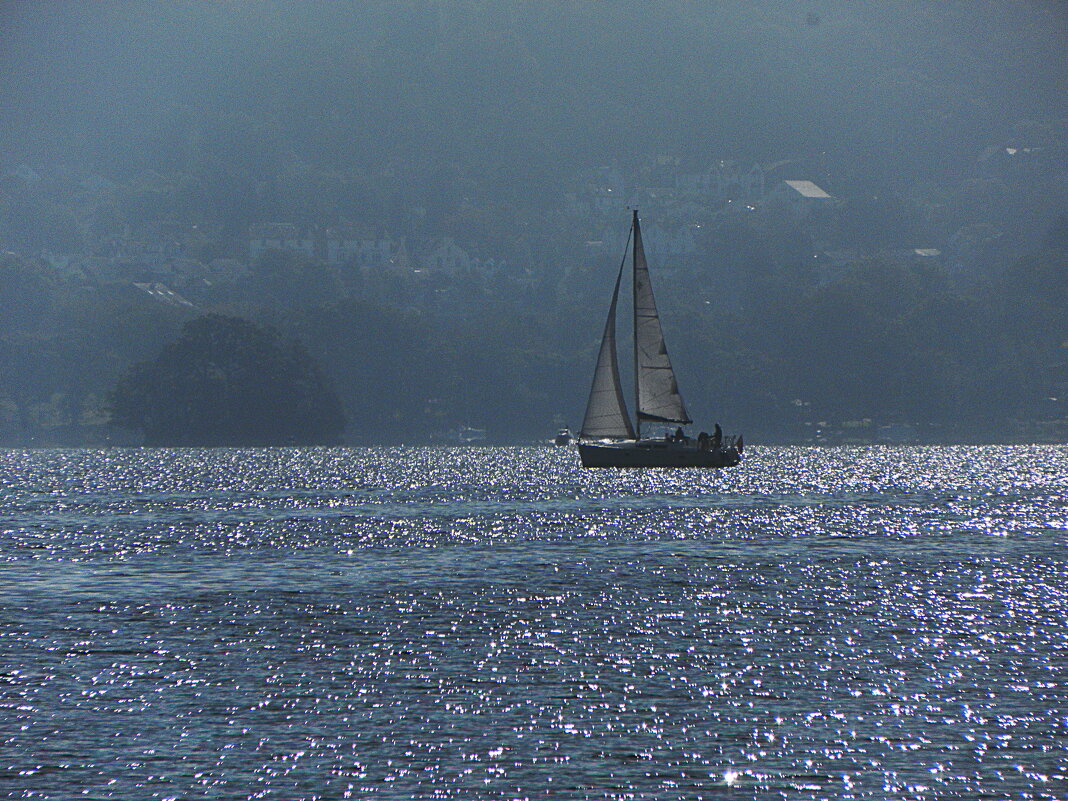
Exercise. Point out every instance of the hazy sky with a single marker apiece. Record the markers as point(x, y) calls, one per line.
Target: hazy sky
point(556, 84)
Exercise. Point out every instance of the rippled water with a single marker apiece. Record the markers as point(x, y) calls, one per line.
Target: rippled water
point(499, 623)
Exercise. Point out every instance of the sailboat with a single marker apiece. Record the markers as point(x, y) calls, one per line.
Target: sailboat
point(608, 437)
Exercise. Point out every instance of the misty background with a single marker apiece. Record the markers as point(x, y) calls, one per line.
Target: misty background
point(432, 197)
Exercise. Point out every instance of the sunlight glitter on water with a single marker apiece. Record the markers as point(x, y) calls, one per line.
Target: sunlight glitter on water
point(851, 623)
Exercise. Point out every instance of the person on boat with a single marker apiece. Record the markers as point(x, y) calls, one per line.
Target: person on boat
point(717, 436)
point(702, 441)
point(679, 435)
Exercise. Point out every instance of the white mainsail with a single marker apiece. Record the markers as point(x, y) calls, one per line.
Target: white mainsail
point(658, 392)
point(606, 411)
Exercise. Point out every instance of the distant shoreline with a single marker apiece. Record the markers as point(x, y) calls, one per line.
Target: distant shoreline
point(750, 445)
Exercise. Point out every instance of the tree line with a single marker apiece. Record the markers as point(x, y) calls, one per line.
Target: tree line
point(770, 354)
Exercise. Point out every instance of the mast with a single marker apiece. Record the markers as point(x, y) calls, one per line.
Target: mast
point(635, 232)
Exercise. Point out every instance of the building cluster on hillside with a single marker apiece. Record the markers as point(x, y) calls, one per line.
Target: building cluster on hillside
point(675, 206)
point(672, 195)
point(679, 208)
point(357, 250)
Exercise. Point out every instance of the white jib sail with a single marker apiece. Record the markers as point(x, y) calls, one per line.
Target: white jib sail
point(606, 411)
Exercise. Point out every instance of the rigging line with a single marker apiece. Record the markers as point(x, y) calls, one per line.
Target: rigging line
point(626, 247)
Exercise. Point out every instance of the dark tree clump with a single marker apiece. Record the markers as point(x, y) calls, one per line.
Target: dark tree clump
point(228, 382)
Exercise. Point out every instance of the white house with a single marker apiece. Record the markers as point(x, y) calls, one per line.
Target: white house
point(723, 181)
point(447, 257)
point(347, 248)
point(278, 236)
point(800, 197)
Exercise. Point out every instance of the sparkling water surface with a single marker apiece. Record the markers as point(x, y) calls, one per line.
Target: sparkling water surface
point(492, 623)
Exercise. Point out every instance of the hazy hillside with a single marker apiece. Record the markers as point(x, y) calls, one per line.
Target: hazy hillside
point(143, 142)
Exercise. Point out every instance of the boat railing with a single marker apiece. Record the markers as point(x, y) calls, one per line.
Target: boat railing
point(726, 442)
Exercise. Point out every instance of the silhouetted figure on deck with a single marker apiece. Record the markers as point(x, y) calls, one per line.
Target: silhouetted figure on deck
point(717, 436)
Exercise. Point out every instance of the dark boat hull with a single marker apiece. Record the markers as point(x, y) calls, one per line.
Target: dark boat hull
point(655, 453)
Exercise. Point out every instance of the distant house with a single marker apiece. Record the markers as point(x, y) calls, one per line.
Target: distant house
point(800, 198)
point(279, 236)
point(335, 246)
point(1019, 163)
point(341, 248)
point(725, 181)
point(163, 294)
point(381, 252)
point(807, 190)
point(446, 257)
point(346, 247)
